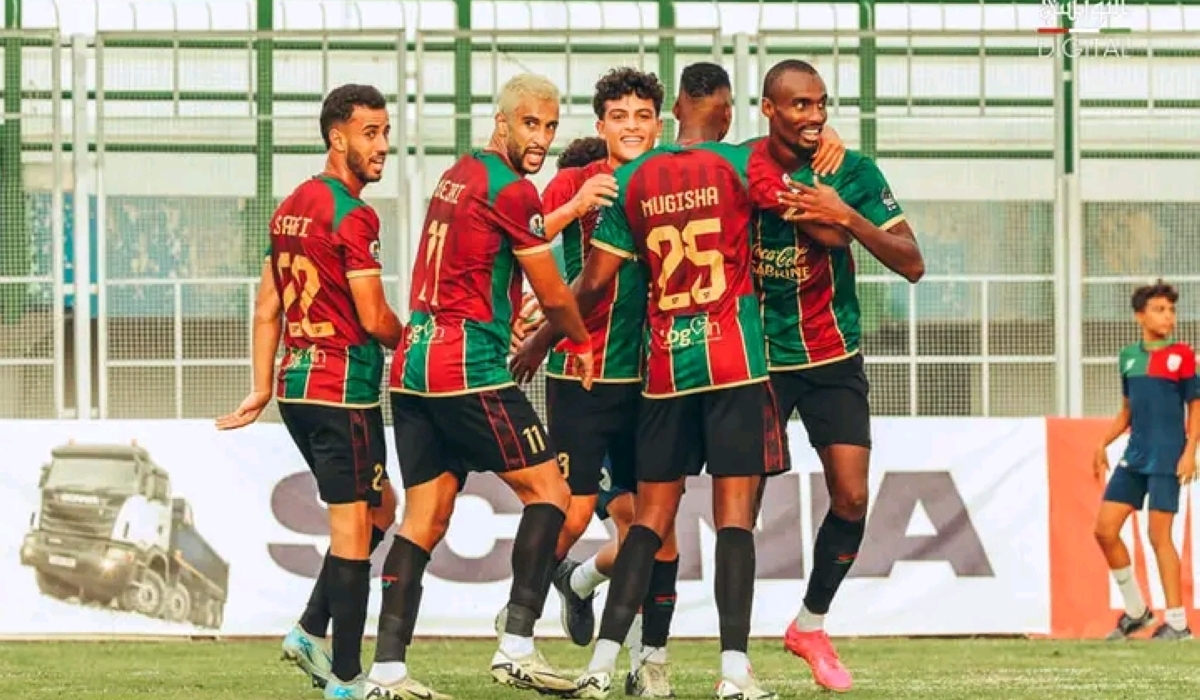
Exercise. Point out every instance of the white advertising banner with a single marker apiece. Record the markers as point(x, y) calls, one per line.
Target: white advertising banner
point(229, 528)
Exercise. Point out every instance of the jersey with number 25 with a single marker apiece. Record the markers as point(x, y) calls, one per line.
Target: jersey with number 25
point(686, 212)
point(321, 236)
point(466, 280)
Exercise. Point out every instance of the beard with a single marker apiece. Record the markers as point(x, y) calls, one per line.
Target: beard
point(358, 166)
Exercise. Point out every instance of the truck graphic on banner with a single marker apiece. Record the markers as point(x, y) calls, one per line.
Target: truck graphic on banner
point(108, 532)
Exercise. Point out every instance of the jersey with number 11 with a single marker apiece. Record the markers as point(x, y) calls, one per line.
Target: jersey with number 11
point(321, 237)
point(686, 212)
point(466, 280)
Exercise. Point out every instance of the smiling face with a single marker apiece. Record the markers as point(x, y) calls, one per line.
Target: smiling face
point(629, 127)
point(795, 111)
point(527, 131)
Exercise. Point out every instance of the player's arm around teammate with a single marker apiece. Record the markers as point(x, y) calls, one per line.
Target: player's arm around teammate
point(1161, 407)
point(805, 273)
point(454, 403)
point(322, 279)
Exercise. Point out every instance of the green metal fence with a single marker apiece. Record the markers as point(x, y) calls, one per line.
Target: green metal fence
point(1025, 188)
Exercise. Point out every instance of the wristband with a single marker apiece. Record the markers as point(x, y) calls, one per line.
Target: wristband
point(572, 348)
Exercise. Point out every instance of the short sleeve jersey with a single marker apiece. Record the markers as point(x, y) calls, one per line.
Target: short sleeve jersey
point(811, 313)
point(617, 322)
point(1160, 382)
point(466, 281)
point(685, 212)
point(321, 237)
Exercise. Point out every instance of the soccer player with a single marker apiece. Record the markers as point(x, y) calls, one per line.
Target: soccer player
point(322, 275)
point(453, 400)
point(805, 271)
point(1161, 409)
point(597, 430)
point(684, 211)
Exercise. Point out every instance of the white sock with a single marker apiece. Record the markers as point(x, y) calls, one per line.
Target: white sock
point(809, 621)
point(654, 655)
point(735, 667)
point(1176, 618)
point(585, 578)
point(1134, 605)
point(604, 656)
point(515, 647)
point(388, 672)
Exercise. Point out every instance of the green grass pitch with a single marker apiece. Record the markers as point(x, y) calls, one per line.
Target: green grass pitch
point(895, 669)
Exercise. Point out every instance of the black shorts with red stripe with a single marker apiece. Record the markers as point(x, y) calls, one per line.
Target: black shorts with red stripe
point(496, 430)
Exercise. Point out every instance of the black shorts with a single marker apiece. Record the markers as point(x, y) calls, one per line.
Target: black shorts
point(345, 448)
point(585, 426)
point(735, 431)
point(832, 401)
point(488, 431)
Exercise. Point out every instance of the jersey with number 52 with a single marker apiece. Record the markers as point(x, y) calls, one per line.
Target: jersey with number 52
point(321, 236)
point(466, 280)
point(686, 212)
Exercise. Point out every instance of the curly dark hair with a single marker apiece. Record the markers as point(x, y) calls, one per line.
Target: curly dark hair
point(1143, 295)
point(703, 79)
point(582, 151)
point(340, 103)
point(621, 82)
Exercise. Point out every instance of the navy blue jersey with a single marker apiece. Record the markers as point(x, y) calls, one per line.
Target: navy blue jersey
point(1159, 381)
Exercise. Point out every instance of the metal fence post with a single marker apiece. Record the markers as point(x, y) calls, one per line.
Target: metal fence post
point(743, 117)
point(58, 230)
point(81, 234)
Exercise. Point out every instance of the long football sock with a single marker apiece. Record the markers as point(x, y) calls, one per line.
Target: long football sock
point(658, 607)
point(315, 619)
point(533, 564)
point(349, 589)
point(833, 555)
point(1135, 607)
point(402, 573)
point(734, 593)
point(626, 591)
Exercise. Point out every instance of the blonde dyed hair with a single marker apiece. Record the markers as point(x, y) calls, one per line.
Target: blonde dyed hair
point(525, 85)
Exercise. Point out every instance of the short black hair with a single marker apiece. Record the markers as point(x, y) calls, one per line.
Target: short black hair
point(1143, 295)
point(777, 71)
point(622, 82)
point(582, 151)
point(703, 79)
point(340, 103)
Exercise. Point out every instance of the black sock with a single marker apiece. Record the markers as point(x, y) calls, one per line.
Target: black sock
point(315, 618)
point(533, 562)
point(349, 587)
point(659, 605)
point(734, 586)
point(833, 555)
point(402, 573)
point(629, 583)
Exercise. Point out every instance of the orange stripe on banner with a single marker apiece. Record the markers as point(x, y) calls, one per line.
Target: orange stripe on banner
point(1079, 577)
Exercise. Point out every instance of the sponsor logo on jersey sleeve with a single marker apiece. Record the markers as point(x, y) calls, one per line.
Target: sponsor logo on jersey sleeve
point(537, 225)
point(373, 249)
point(888, 200)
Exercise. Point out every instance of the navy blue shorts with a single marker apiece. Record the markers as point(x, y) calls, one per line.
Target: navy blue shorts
point(1132, 488)
point(613, 483)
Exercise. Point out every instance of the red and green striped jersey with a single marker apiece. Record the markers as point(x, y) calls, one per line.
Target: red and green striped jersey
point(811, 313)
point(321, 236)
point(1159, 381)
point(466, 280)
point(685, 211)
point(616, 324)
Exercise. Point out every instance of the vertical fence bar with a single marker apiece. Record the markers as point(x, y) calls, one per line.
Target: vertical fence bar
point(914, 385)
point(264, 133)
point(985, 351)
point(57, 230)
point(743, 118)
point(1072, 223)
point(402, 186)
point(101, 240)
point(177, 344)
point(666, 65)
point(463, 88)
point(14, 228)
point(868, 141)
point(81, 238)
